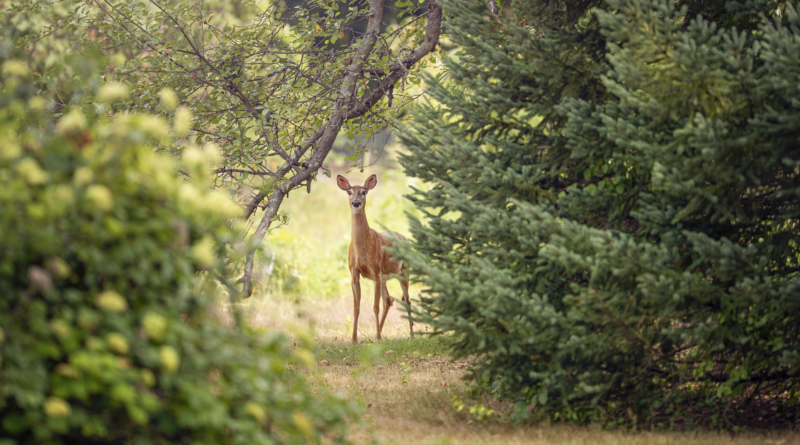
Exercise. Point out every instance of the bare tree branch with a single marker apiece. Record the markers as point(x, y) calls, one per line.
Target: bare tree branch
point(269, 89)
point(343, 112)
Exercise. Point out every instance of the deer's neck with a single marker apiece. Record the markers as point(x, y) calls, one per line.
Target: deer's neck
point(360, 231)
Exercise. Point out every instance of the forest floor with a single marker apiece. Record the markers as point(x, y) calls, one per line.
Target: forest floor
point(406, 387)
point(411, 389)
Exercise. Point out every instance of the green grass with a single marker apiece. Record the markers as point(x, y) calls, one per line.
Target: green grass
point(408, 397)
point(387, 352)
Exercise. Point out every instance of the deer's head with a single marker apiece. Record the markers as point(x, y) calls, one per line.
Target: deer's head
point(357, 194)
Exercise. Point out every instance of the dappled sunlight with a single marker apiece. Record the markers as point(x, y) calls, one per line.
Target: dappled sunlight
point(302, 272)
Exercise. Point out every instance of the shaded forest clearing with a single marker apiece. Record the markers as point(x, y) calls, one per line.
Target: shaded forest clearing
point(406, 401)
point(407, 388)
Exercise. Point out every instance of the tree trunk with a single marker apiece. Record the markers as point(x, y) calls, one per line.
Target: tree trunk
point(331, 130)
point(346, 109)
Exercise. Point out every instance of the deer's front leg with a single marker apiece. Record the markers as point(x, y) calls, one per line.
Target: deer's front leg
point(377, 305)
point(356, 283)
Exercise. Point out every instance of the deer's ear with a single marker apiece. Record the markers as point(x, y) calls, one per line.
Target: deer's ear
point(371, 182)
point(343, 183)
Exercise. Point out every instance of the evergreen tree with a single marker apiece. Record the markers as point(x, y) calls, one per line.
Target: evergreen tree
point(612, 207)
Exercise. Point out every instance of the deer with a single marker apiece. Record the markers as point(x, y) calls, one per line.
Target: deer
point(367, 258)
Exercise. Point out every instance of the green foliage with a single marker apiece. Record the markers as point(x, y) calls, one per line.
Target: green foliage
point(477, 412)
point(273, 86)
point(260, 78)
point(405, 370)
point(613, 219)
point(108, 330)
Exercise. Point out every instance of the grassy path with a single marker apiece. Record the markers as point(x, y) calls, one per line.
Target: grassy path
point(408, 388)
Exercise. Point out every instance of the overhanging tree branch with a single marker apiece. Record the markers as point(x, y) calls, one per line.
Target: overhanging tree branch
point(259, 90)
point(344, 112)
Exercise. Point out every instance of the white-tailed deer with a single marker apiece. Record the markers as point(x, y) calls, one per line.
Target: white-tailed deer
point(367, 258)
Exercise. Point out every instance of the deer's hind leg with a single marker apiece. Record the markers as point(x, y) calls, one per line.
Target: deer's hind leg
point(407, 299)
point(377, 305)
point(387, 303)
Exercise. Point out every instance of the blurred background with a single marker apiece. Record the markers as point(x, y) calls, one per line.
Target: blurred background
point(302, 275)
